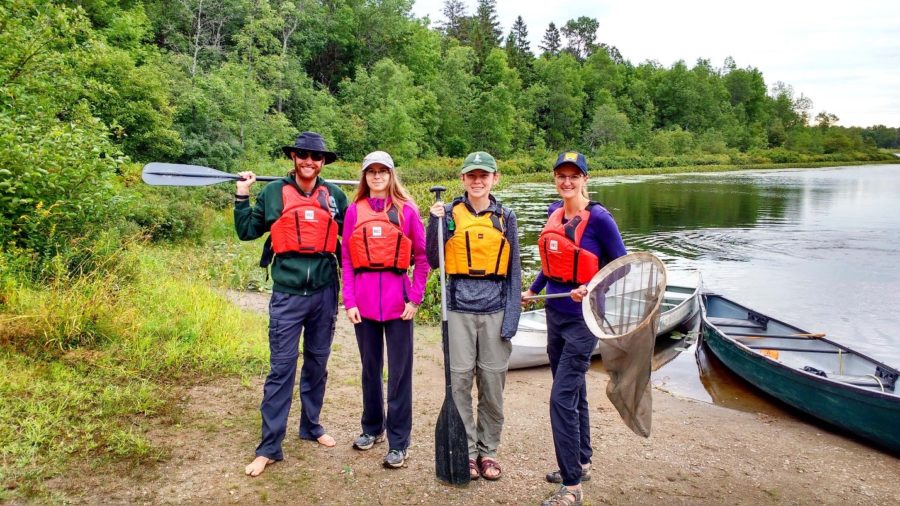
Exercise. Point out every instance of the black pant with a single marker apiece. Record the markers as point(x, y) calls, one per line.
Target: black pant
point(371, 336)
point(569, 347)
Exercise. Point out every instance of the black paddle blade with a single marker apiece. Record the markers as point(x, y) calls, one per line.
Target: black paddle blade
point(451, 447)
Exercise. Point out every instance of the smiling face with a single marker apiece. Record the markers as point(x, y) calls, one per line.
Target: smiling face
point(307, 165)
point(478, 183)
point(570, 181)
point(378, 180)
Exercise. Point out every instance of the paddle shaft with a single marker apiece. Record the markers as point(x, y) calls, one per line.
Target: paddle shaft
point(778, 336)
point(175, 174)
point(547, 296)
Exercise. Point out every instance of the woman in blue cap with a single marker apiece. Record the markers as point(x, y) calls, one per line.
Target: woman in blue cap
point(580, 236)
point(304, 215)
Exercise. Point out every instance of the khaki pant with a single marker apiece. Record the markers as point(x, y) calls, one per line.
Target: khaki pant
point(478, 353)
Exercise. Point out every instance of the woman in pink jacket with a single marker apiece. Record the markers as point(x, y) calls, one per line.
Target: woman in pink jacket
point(383, 238)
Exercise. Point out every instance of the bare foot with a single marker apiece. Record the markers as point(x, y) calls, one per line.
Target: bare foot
point(326, 441)
point(258, 465)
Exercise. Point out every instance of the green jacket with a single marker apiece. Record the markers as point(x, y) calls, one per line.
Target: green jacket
point(291, 272)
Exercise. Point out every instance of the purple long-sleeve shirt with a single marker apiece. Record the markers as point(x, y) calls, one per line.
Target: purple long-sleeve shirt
point(601, 237)
point(382, 295)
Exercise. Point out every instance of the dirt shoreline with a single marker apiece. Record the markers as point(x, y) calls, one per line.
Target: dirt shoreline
point(698, 453)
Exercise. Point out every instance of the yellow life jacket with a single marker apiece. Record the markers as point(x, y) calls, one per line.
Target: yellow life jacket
point(477, 246)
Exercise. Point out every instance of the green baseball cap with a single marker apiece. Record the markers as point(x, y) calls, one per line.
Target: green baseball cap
point(479, 160)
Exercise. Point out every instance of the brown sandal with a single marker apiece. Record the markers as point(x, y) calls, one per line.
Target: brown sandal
point(489, 463)
point(473, 470)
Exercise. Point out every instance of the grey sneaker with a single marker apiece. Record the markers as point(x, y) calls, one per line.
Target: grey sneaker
point(367, 441)
point(555, 477)
point(564, 497)
point(395, 458)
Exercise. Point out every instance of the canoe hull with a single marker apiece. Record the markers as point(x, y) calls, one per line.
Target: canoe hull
point(530, 342)
point(871, 415)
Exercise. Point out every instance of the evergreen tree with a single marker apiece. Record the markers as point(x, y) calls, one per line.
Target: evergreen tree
point(518, 49)
point(552, 42)
point(455, 25)
point(484, 33)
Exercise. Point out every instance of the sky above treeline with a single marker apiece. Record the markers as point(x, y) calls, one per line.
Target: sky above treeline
point(844, 55)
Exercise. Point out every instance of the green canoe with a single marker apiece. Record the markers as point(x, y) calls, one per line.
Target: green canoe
point(824, 379)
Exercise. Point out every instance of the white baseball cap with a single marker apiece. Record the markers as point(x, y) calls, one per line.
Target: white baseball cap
point(378, 157)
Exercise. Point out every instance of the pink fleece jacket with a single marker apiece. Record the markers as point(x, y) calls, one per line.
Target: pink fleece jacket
point(382, 295)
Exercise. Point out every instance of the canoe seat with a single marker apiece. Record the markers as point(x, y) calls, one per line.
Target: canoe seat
point(735, 322)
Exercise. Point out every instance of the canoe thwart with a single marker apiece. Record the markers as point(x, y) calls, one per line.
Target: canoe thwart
point(736, 322)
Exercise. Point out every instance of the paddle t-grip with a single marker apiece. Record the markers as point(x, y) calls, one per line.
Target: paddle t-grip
point(437, 191)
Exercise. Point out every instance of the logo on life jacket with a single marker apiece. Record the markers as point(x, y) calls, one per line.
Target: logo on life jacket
point(477, 247)
point(377, 242)
point(562, 258)
point(306, 224)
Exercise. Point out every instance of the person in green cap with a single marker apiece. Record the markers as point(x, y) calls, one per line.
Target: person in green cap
point(481, 252)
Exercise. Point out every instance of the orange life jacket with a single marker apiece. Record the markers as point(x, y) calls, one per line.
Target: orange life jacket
point(562, 259)
point(305, 225)
point(377, 242)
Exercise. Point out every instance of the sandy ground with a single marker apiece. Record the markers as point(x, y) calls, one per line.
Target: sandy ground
point(698, 453)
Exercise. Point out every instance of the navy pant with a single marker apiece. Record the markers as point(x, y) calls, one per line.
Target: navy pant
point(569, 347)
point(371, 336)
point(289, 314)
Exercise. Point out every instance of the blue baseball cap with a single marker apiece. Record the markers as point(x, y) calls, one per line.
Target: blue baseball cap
point(573, 157)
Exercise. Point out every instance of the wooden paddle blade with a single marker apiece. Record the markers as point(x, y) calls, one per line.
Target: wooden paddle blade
point(174, 174)
point(451, 447)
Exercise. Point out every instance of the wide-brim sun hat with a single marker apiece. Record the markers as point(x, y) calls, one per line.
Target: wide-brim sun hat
point(310, 141)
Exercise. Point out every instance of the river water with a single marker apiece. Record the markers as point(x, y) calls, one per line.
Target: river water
point(817, 248)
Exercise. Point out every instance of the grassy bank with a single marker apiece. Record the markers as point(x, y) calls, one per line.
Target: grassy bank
point(90, 363)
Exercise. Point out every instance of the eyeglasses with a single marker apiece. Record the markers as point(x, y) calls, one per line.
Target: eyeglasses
point(572, 178)
point(376, 173)
point(313, 155)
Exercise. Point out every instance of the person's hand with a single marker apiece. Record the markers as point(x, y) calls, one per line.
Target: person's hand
point(409, 312)
point(579, 293)
point(527, 293)
point(437, 210)
point(353, 315)
point(243, 185)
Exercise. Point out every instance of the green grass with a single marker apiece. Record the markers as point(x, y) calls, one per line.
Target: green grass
point(91, 363)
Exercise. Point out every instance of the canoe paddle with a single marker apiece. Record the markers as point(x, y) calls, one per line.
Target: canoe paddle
point(451, 446)
point(176, 174)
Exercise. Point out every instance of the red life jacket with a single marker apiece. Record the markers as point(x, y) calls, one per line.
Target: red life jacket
point(305, 225)
point(377, 242)
point(562, 258)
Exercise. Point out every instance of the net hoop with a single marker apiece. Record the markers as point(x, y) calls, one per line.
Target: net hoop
point(600, 279)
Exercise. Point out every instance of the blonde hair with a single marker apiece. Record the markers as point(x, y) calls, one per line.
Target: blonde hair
point(398, 193)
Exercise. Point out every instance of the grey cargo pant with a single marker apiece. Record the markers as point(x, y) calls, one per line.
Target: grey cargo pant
point(478, 353)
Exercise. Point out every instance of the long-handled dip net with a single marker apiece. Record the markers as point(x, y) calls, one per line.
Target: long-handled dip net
point(622, 309)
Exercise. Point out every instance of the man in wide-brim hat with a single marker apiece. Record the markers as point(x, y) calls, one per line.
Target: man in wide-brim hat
point(303, 214)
